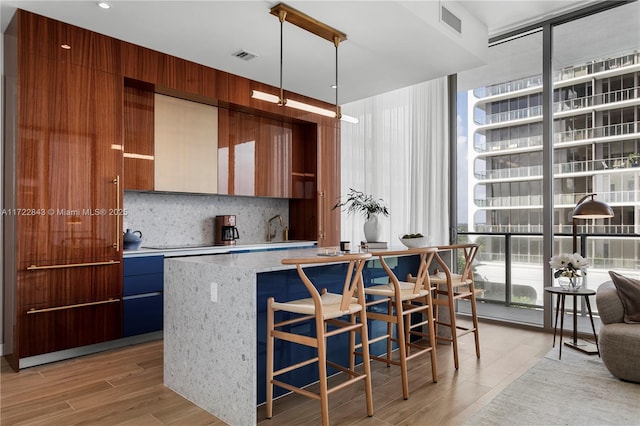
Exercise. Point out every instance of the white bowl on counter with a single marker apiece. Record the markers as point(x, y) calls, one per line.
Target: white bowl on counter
point(424, 241)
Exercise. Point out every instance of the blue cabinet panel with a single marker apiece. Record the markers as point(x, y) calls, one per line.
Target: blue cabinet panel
point(143, 265)
point(143, 285)
point(142, 314)
point(139, 284)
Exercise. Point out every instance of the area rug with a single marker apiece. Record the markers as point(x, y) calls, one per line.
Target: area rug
point(577, 390)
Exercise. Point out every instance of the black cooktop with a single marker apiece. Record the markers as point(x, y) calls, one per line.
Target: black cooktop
point(181, 246)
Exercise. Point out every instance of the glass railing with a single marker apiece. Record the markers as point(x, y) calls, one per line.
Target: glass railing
point(526, 142)
point(597, 65)
point(597, 99)
point(558, 169)
point(515, 172)
point(517, 201)
point(508, 87)
point(516, 114)
point(631, 197)
point(510, 270)
point(607, 197)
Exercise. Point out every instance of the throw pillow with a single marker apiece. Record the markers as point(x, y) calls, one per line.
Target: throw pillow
point(629, 292)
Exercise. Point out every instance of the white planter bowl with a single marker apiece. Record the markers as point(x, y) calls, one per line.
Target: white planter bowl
point(415, 242)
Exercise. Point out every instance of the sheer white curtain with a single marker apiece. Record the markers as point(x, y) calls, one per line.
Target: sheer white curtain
point(400, 152)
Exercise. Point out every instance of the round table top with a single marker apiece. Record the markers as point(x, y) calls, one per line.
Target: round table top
point(579, 292)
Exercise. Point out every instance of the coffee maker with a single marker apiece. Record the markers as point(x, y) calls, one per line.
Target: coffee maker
point(226, 232)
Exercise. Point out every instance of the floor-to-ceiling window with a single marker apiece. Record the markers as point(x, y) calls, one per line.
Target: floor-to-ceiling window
point(596, 131)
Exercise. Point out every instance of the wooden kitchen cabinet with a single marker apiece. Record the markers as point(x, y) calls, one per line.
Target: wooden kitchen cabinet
point(138, 146)
point(328, 185)
point(63, 283)
point(186, 146)
point(265, 157)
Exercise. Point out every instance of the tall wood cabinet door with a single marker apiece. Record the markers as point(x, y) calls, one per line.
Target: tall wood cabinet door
point(328, 174)
point(138, 139)
point(273, 158)
point(69, 160)
point(186, 146)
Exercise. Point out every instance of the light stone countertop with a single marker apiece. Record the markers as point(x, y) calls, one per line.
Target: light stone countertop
point(220, 249)
point(256, 262)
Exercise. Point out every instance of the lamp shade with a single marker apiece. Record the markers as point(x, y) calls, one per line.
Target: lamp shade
point(592, 209)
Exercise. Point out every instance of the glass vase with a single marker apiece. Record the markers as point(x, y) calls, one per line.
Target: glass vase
point(570, 283)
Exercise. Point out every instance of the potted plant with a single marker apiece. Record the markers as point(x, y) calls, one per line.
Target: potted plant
point(357, 202)
point(634, 159)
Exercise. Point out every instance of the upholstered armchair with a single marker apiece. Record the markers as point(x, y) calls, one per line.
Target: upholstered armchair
point(619, 340)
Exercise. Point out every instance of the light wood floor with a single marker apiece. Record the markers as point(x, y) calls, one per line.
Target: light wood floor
point(124, 387)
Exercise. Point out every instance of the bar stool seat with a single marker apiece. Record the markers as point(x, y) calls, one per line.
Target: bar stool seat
point(312, 322)
point(406, 291)
point(330, 306)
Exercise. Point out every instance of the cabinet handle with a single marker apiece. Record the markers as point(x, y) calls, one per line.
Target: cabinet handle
point(322, 214)
point(71, 265)
point(79, 305)
point(116, 245)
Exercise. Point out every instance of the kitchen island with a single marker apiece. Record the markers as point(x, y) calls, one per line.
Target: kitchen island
point(213, 328)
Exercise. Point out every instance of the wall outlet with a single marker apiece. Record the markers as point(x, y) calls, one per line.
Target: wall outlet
point(214, 292)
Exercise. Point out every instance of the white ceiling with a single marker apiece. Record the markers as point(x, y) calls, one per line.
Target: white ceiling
point(391, 44)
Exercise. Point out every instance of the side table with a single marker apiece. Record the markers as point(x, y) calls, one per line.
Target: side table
point(560, 302)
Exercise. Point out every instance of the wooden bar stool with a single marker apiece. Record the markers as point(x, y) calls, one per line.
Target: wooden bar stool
point(458, 287)
point(450, 287)
point(323, 311)
point(404, 299)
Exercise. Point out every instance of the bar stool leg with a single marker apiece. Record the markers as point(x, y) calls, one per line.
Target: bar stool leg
point(270, 339)
point(322, 371)
point(402, 347)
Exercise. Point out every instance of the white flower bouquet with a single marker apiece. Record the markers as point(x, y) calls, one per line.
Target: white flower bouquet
point(569, 265)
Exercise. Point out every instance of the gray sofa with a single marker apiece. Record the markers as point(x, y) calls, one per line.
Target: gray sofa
point(619, 341)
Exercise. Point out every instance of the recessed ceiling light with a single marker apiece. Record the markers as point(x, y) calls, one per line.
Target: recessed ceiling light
point(65, 46)
point(333, 86)
point(104, 5)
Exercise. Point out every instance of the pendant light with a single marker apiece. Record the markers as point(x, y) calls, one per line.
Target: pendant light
point(286, 13)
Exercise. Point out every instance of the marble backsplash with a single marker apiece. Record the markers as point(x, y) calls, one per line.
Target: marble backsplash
point(186, 219)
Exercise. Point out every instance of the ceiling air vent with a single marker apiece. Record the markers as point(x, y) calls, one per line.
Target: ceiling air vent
point(451, 20)
point(243, 54)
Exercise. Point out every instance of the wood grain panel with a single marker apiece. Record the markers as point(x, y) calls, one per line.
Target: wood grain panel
point(68, 154)
point(186, 146)
point(46, 332)
point(329, 185)
point(68, 286)
point(273, 158)
point(139, 63)
point(44, 37)
point(303, 211)
point(138, 139)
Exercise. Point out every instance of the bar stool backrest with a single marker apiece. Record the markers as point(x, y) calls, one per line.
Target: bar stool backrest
point(352, 282)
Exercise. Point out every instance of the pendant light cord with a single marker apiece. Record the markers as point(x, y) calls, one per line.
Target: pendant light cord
point(336, 42)
point(283, 17)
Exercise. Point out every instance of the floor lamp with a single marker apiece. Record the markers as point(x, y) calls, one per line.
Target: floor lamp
point(585, 209)
point(588, 209)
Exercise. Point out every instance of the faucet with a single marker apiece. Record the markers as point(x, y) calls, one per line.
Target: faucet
point(269, 235)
